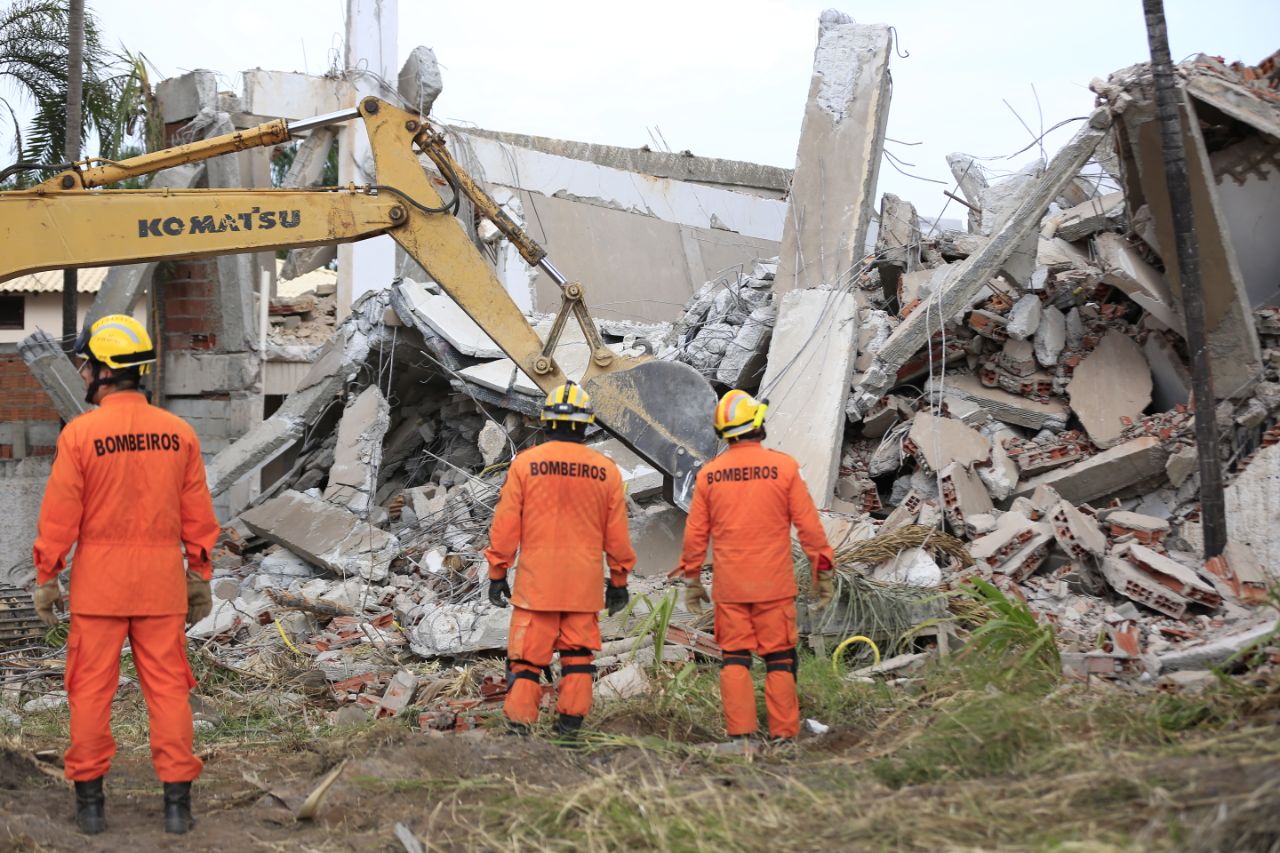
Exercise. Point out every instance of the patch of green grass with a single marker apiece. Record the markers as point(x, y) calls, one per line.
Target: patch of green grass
point(976, 736)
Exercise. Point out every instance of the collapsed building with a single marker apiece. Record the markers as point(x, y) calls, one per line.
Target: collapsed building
point(1011, 397)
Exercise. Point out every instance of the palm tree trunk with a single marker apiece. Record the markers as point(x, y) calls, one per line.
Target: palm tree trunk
point(75, 91)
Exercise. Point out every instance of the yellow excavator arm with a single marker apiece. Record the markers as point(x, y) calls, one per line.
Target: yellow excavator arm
point(662, 410)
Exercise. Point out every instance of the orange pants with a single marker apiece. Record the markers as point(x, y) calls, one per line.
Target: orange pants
point(767, 628)
point(159, 645)
point(534, 636)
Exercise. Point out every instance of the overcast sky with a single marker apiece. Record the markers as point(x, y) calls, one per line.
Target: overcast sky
point(722, 78)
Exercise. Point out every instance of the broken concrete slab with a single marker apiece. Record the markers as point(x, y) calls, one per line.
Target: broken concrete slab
point(640, 479)
point(806, 382)
point(446, 319)
point(353, 476)
point(336, 364)
point(1124, 268)
point(1216, 651)
point(325, 535)
point(1077, 534)
point(1012, 532)
point(941, 441)
point(1110, 388)
point(1050, 336)
point(1171, 380)
point(1097, 214)
point(1182, 463)
point(1024, 317)
point(744, 359)
point(1253, 505)
point(453, 629)
point(1001, 475)
point(1133, 463)
point(838, 160)
point(55, 373)
point(1003, 406)
point(420, 82)
point(976, 271)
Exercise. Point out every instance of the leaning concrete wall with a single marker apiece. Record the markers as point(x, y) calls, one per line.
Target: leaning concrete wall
point(641, 244)
point(634, 267)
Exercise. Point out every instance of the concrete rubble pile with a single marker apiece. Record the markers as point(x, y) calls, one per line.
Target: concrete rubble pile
point(365, 554)
point(1022, 385)
point(1025, 384)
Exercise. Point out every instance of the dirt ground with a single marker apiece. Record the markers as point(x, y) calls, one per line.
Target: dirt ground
point(485, 790)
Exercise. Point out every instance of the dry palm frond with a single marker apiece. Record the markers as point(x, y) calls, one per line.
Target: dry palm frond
point(886, 612)
point(889, 545)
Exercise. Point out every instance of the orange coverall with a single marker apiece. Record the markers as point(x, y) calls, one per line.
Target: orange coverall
point(562, 507)
point(127, 485)
point(746, 501)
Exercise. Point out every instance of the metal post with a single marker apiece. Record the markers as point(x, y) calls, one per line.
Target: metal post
point(75, 101)
point(1212, 504)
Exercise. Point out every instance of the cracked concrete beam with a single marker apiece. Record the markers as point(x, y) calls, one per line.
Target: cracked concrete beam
point(55, 373)
point(975, 271)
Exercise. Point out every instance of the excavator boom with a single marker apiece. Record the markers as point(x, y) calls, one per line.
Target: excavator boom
point(662, 410)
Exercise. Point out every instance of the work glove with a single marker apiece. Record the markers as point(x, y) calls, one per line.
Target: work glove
point(615, 597)
point(825, 591)
point(499, 592)
point(199, 598)
point(695, 594)
point(46, 596)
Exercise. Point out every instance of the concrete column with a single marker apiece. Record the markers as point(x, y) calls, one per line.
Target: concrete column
point(806, 382)
point(55, 373)
point(838, 161)
point(372, 67)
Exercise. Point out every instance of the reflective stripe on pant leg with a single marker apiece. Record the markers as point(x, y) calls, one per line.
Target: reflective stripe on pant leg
point(775, 624)
point(92, 676)
point(579, 637)
point(783, 661)
point(529, 645)
point(159, 646)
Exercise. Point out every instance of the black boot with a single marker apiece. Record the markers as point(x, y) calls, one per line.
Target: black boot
point(568, 727)
point(177, 807)
point(91, 807)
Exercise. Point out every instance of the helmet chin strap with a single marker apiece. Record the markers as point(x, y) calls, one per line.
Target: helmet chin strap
point(99, 382)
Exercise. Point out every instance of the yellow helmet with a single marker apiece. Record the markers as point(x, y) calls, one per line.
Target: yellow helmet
point(118, 341)
point(568, 403)
point(738, 413)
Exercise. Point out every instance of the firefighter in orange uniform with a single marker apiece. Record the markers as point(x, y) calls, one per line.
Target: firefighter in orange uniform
point(128, 489)
point(562, 507)
point(746, 501)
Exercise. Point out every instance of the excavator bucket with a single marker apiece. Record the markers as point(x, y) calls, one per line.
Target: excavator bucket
point(663, 411)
